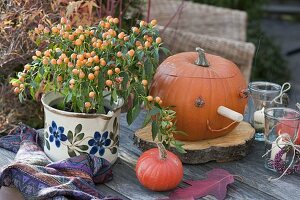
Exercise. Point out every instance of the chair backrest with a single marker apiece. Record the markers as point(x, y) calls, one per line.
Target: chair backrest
point(200, 19)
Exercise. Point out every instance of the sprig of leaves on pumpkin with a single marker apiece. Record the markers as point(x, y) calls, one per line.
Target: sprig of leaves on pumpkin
point(163, 123)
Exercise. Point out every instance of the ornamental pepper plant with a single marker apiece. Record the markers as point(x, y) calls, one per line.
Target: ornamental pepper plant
point(86, 64)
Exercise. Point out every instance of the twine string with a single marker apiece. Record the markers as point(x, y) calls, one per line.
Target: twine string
point(284, 88)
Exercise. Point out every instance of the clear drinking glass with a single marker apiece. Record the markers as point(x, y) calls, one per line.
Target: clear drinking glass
point(261, 96)
point(283, 122)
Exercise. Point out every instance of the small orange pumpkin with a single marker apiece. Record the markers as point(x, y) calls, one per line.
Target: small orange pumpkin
point(197, 84)
point(158, 169)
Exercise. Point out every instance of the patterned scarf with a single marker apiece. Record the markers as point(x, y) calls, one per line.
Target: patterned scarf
point(37, 177)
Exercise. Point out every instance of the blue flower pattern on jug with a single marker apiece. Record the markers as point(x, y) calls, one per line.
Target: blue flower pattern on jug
point(98, 143)
point(57, 134)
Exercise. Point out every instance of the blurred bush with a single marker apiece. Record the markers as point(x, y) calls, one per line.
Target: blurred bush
point(268, 62)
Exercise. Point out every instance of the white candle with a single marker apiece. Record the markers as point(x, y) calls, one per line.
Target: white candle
point(276, 148)
point(259, 119)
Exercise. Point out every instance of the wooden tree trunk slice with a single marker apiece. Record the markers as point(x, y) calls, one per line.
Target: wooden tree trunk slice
point(233, 146)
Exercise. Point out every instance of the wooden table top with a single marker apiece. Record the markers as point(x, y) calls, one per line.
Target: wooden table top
point(252, 182)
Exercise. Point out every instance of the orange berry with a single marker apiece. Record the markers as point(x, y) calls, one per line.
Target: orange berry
point(80, 57)
point(37, 31)
point(157, 99)
point(81, 74)
point(153, 22)
point(135, 29)
point(68, 27)
point(27, 67)
point(91, 76)
point(17, 90)
point(111, 20)
point(150, 39)
point(149, 98)
point(38, 53)
point(117, 70)
point(158, 40)
point(160, 102)
point(72, 81)
point(102, 62)
point(45, 61)
point(73, 55)
point(54, 30)
point(59, 61)
point(53, 61)
point(66, 60)
point(75, 71)
point(108, 82)
point(59, 78)
point(96, 68)
point(107, 25)
point(22, 79)
point(71, 86)
point(93, 53)
point(126, 38)
point(90, 60)
point(92, 94)
point(110, 72)
point(81, 37)
point(143, 23)
point(116, 20)
point(47, 53)
point(144, 82)
point(130, 52)
point(96, 73)
point(78, 42)
point(46, 30)
point(119, 54)
point(70, 64)
point(63, 20)
point(96, 59)
point(108, 17)
point(34, 57)
point(140, 47)
point(22, 86)
point(121, 35)
point(138, 43)
point(147, 44)
point(71, 37)
point(15, 84)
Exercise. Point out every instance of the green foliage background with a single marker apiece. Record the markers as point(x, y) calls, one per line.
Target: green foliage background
point(268, 63)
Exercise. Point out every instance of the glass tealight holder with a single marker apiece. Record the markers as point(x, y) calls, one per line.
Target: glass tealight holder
point(262, 95)
point(281, 132)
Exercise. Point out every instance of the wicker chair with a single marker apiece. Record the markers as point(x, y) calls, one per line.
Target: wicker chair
point(219, 31)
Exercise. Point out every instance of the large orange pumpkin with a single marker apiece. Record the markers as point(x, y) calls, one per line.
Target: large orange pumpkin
point(197, 84)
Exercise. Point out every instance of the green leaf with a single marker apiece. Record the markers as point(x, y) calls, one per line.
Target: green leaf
point(79, 137)
point(148, 67)
point(70, 136)
point(125, 79)
point(47, 144)
point(180, 132)
point(156, 55)
point(78, 128)
point(115, 126)
point(46, 134)
point(154, 111)
point(165, 50)
point(154, 129)
point(133, 113)
point(114, 95)
point(71, 152)
point(83, 147)
point(147, 120)
point(113, 150)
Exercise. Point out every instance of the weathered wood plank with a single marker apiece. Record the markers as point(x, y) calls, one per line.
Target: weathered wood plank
point(126, 183)
point(255, 184)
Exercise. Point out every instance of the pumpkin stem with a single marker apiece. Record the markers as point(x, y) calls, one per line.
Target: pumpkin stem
point(162, 151)
point(201, 61)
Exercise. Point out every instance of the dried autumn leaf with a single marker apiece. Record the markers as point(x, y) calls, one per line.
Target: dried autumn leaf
point(215, 184)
